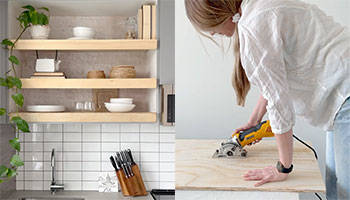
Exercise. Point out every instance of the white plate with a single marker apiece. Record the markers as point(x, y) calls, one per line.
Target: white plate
point(45, 108)
point(121, 100)
point(113, 107)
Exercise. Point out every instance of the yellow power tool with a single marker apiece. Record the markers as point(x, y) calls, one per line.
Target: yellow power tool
point(234, 145)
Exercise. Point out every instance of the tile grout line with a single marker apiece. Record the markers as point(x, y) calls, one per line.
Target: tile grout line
point(100, 148)
point(24, 155)
point(159, 155)
point(42, 132)
point(140, 147)
point(81, 157)
point(62, 154)
point(120, 146)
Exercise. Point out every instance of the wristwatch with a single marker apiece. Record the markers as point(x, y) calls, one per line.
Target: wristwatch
point(282, 169)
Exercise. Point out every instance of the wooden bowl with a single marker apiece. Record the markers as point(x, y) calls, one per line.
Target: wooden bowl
point(123, 67)
point(123, 72)
point(96, 74)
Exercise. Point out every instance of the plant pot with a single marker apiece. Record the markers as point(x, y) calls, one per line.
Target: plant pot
point(40, 31)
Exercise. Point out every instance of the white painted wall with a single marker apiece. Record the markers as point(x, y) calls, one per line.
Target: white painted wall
point(205, 101)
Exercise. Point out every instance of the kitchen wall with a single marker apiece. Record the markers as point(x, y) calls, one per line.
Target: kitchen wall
point(83, 150)
point(7, 132)
point(166, 56)
point(76, 64)
point(205, 102)
point(3, 56)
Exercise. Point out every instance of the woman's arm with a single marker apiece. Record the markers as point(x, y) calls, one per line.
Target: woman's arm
point(256, 117)
point(285, 147)
point(259, 111)
point(270, 173)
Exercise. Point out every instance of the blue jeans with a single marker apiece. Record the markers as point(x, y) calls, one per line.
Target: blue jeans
point(338, 156)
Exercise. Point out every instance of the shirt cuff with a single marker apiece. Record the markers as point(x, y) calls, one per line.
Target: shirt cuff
point(281, 130)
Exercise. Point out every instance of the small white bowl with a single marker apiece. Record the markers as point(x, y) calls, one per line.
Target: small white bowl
point(121, 100)
point(83, 32)
point(113, 107)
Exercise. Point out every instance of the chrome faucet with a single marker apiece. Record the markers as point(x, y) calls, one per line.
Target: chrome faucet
point(54, 187)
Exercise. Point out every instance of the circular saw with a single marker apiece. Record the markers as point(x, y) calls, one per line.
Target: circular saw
point(233, 146)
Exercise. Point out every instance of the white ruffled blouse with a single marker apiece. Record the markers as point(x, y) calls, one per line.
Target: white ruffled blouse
point(298, 57)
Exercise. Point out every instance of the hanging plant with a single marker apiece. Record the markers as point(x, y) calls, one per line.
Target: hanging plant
point(28, 18)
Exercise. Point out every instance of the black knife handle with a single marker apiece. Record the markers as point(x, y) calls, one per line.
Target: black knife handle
point(130, 156)
point(113, 163)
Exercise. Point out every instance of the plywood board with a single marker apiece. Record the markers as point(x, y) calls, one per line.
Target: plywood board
point(88, 117)
point(59, 83)
point(86, 44)
point(197, 170)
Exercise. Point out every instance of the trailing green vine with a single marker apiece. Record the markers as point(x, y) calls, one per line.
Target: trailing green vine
point(30, 16)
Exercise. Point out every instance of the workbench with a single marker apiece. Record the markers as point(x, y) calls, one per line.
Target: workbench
point(199, 176)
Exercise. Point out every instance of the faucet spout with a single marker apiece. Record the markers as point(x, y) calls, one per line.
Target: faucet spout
point(53, 170)
point(54, 187)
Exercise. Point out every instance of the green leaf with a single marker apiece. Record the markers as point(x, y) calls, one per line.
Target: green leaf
point(44, 8)
point(3, 82)
point(2, 111)
point(34, 18)
point(16, 161)
point(1, 181)
point(42, 19)
point(7, 42)
point(14, 60)
point(15, 81)
point(3, 170)
point(11, 81)
point(11, 173)
point(18, 98)
point(15, 144)
point(24, 19)
point(21, 124)
point(29, 7)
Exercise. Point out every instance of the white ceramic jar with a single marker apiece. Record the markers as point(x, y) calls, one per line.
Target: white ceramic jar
point(40, 31)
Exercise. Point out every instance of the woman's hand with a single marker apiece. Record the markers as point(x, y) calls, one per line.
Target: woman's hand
point(268, 174)
point(245, 127)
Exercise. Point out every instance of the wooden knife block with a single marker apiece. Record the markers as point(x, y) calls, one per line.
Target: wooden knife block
point(133, 186)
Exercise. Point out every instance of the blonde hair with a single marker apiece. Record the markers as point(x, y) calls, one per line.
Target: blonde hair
point(208, 14)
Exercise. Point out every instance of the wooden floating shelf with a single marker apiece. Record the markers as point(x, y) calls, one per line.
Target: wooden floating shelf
point(88, 117)
point(86, 44)
point(85, 83)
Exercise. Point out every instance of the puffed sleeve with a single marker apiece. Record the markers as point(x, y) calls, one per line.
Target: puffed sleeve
point(262, 51)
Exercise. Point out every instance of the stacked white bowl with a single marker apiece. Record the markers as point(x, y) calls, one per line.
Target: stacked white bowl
point(82, 33)
point(120, 105)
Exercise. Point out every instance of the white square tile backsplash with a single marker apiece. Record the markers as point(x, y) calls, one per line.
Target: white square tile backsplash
point(83, 150)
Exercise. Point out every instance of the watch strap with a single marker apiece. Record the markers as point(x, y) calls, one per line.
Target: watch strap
point(282, 169)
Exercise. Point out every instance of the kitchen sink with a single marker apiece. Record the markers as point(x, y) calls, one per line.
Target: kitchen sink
point(50, 198)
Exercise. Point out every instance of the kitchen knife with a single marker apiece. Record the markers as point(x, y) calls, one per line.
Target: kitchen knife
point(123, 165)
point(119, 165)
point(128, 161)
point(113, 163)
point(128, 164)
point(129, 154)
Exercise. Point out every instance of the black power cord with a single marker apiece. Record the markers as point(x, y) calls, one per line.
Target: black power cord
point(310, 147)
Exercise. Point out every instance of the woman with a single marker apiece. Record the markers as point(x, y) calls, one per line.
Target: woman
point(299, 58)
